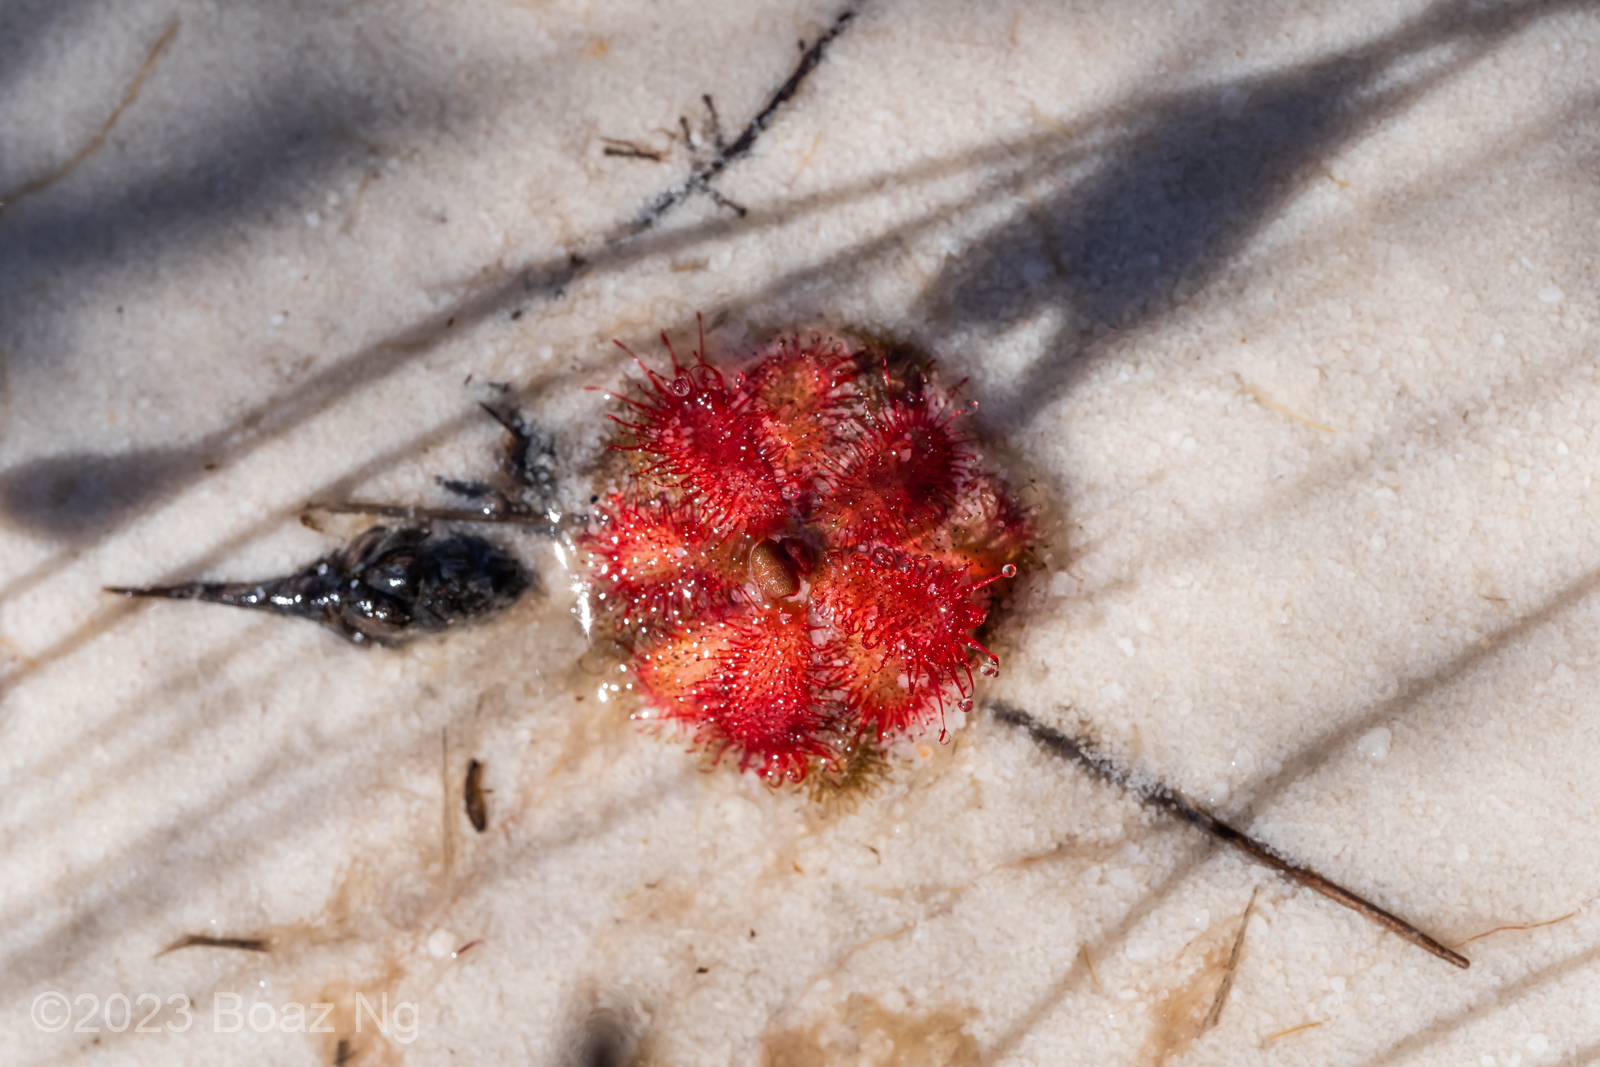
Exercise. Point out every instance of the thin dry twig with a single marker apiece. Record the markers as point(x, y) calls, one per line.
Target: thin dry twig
point(1223, 990)
point(1292, 1030)
point(1176, 803)
point(1522, 926)
point(129, 95)
point(1267, 401)
point(853, 949)
point(1083, 950)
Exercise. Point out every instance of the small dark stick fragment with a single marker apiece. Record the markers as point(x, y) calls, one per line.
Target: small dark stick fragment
point(384, 587)
point(526, 480)
point(1088, 964)
point(477, 807)
point(344, 1054)
point(629, 150)
point(716, 124)
point(246, 944)
point(722, 201)
point(1175, 803)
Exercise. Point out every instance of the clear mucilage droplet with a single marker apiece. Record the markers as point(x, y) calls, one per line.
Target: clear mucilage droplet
point(992, 668)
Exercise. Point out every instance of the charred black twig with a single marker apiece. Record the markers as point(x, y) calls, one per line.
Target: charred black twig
point(721, 146)
point(523, 484)
point(527, 460)
point(721, 201)
point(519, 493)
point(472, 796)
point(382, 588)
point(1176, 803)
point(246, 944)
point(716, 123)
point(704, 173)
point(420, 513)
point(389, 585)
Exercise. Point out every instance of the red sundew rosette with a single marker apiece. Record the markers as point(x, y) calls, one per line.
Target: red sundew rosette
point(657, 562)
point(671, 666)
point(766, 698)
point(780, 635)
point(984, 533)
point(803, 392)
point(750, 683)
point(906, 627)
point(899, 474)
point(706, 441)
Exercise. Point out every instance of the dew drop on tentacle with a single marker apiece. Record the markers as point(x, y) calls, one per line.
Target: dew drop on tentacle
point(991, 669)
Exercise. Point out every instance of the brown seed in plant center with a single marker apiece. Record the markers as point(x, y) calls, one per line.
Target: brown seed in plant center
point(773, 571)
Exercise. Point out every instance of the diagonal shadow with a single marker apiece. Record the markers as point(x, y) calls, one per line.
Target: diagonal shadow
point(1411, 698)
point(1133, 290)
point(216, 169)
point(1185, 183)
point(24, 23)
point(136, 742)
point(1416, 691)
point(255, 812)
point(81, 498)
point(1499, 996)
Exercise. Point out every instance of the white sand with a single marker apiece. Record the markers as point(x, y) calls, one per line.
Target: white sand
point(1283, 313)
